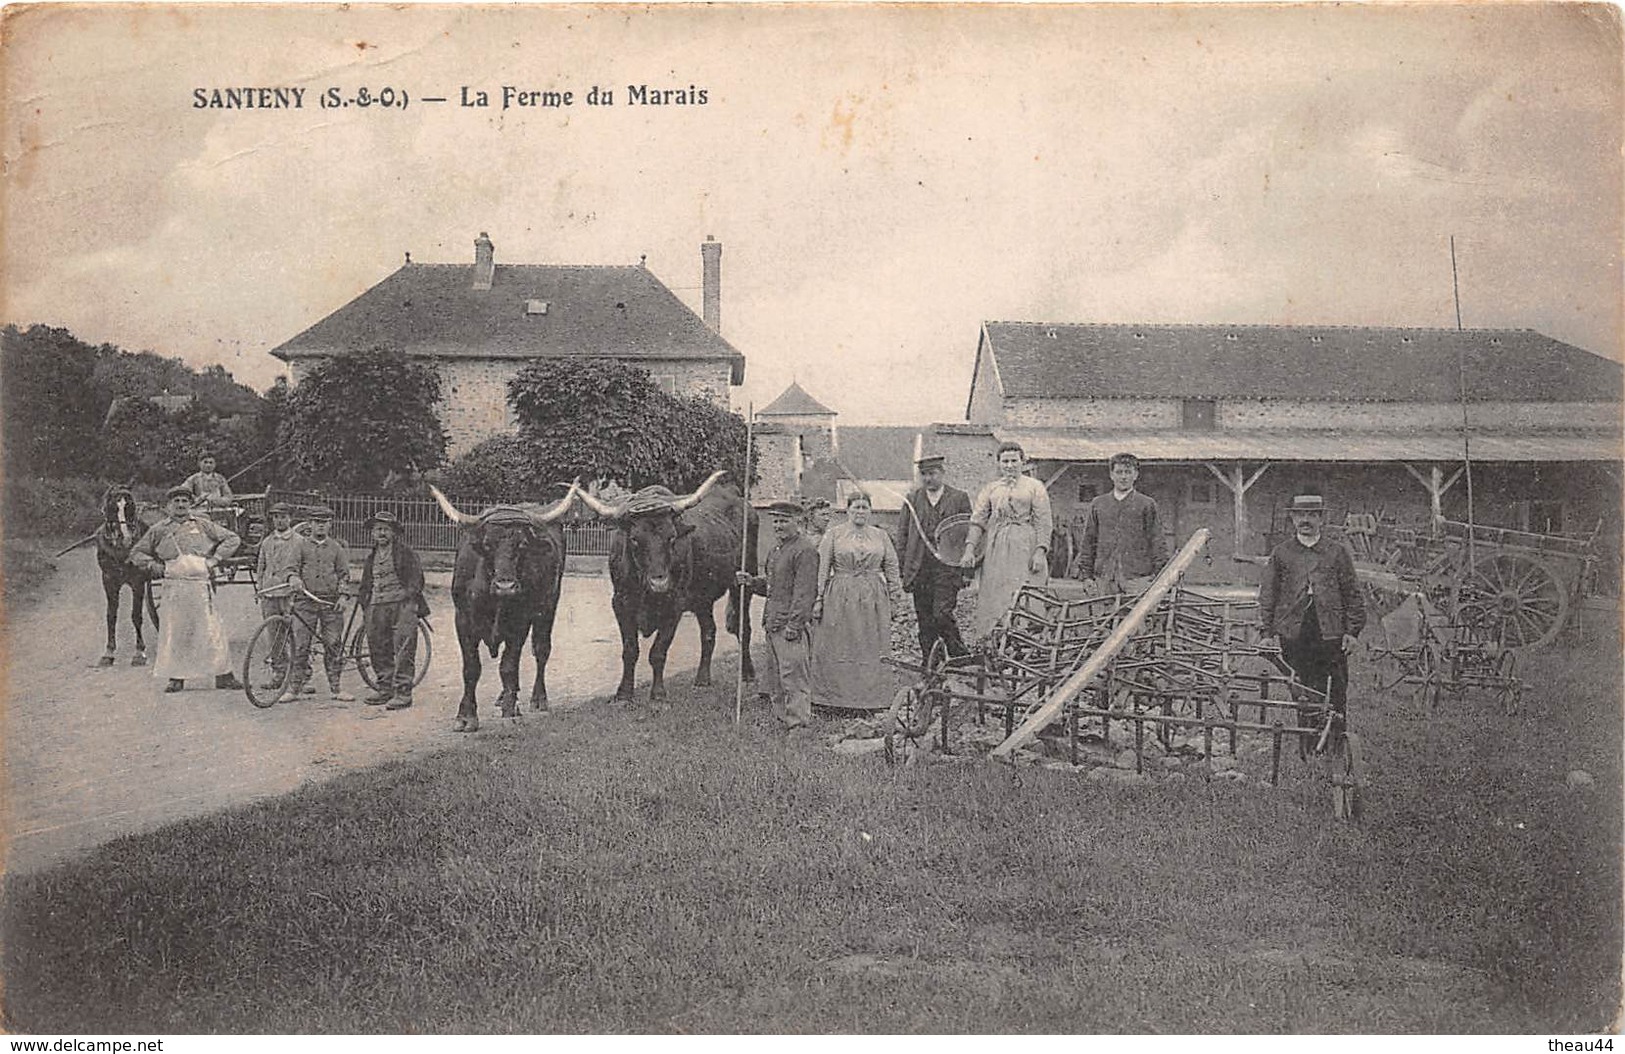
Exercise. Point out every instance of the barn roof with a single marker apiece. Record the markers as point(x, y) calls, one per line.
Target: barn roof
point(530, 311)
point(877, 451)
point(1505, 445)
point(1306, 363)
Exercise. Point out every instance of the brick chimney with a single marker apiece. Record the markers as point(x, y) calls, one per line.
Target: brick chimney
point(485, 261)
point(711, 260)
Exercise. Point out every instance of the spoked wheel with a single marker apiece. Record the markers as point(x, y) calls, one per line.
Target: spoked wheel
point(268, 661)
point(908, 719)
point(1522, 597)
point(1345, 763)
point(425, 653)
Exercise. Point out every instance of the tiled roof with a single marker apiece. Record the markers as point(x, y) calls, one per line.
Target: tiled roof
point(1282, 445)
point(877, 451)
point(595, 312)
point(1309, 363)
point(794, 402)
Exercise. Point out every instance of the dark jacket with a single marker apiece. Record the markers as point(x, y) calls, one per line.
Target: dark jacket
point(1283, 596)
point(792, 585)
point(912, 555)
point(1121, 539)
point(407, 568)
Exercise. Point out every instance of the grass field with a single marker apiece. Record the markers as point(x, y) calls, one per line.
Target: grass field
point(612, 870)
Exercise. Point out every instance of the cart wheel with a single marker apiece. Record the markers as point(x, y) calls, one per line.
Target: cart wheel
point(271, 645)
point(1345, 763)
point(1523, 598)
point(425, 654)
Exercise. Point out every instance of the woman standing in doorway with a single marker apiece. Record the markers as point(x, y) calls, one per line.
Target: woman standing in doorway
point(1013, 514)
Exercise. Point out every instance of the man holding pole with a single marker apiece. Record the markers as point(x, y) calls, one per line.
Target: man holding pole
point(934, 584)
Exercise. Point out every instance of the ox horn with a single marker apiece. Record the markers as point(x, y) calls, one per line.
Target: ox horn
point(685, 503)
point(563, 506)
point(603, 509)
point(462, 519)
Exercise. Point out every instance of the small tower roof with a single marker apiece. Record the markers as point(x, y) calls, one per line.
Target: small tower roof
point(795, 402)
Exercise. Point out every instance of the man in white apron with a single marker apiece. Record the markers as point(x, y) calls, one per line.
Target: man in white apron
point(182, 550)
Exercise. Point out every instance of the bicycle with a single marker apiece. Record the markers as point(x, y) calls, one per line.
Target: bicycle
point(268, 659)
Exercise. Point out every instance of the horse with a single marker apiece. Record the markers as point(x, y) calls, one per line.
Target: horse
point(121, 528)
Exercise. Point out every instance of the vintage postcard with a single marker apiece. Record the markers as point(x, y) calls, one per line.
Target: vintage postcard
point(1167, 456)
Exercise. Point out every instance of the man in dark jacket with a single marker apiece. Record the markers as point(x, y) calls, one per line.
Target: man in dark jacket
point(934, 584)
point(1122, 544)
point(1310, 599)
point(392, 595)
point(791, 586)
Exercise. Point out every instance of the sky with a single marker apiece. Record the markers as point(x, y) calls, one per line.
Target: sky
point(883, 179)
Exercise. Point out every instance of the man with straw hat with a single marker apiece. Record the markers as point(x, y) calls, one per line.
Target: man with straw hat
point(934, 584)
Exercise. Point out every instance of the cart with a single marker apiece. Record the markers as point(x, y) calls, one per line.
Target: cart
point(1438, 655)
point(1518, 588)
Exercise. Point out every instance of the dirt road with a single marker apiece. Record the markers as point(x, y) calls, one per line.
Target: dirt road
point(95, 753)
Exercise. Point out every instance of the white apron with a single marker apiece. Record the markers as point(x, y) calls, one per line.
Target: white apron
point(191, 638)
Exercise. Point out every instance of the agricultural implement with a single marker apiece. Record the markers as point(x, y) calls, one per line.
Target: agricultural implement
point(1517, 588)
point(1174, 664)
point(1420, 646)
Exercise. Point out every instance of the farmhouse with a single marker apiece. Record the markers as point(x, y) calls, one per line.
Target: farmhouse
point(1231, 420)
point(480, 323)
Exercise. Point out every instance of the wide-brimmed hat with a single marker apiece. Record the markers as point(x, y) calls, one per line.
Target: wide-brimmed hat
point(383, 516)
point(1307, 503)
point(931, 461)
point(179, 492)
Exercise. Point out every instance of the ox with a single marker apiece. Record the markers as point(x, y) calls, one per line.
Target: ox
point(670, 555)
point(506, 584)
point(117, 535)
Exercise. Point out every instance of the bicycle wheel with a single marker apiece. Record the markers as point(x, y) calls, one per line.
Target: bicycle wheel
point(425, 655)
point(268, 661)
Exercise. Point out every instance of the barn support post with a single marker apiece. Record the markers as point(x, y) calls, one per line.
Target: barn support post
point(1108, 649)
point(1436, 486)
point(1056, 478)
point(1238, 485)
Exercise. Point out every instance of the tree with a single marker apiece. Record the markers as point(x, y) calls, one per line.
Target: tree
point(596, 417)
point(362, 421)
point(50, 406)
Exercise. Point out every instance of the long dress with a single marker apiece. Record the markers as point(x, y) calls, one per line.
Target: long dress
point(857, 567)
point(1015, 519)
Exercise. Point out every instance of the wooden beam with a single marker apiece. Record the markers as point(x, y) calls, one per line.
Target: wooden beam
point(1048, 483)
point(1245, 487)
point(1056, 703)
point(1211, 467)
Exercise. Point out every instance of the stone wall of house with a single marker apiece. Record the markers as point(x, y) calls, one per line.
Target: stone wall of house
point(816, 431)
point(986, 403)
point(474, 392)
point(1253, 415)
point(774, 451)
point(1092, 413)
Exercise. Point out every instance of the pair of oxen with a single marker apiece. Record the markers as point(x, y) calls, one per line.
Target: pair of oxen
point(669, 554)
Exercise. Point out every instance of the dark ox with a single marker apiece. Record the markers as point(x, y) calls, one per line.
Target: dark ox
point(121, 528)
point(674, 554)
point(506, 586)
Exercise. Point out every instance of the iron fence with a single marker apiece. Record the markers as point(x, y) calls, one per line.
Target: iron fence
point(425, 522)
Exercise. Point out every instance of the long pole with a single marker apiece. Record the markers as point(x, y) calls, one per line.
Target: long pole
point(1461, 374)
point(256, 461)
point(1108, 649)
point(744, 552)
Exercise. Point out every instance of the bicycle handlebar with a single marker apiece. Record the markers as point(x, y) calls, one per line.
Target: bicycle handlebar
point(286, 590)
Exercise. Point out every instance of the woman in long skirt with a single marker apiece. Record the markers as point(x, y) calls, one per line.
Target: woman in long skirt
point(1013, 514)
point(857, 579)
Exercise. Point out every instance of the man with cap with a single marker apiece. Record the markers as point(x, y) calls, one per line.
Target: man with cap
point(1310, 599)
point(324, 571)
point(183, 549)
point(207, 486)
point(278, 566)
point(392, 595)
point(934, 584)
point(791, 586)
